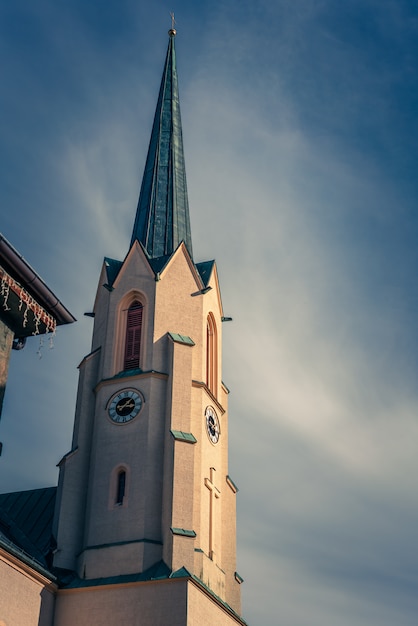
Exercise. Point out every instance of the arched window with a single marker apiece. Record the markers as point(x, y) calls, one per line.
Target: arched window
point(211, 354)
point(133, 336)
point(120, 487)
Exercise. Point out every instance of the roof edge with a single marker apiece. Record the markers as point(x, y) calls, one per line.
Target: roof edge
point(34, 282)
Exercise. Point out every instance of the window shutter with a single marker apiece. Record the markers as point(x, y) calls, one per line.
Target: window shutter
point(133, 336)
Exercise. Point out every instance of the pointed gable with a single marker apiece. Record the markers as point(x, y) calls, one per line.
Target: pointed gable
point(205, 269)
point(112, 270)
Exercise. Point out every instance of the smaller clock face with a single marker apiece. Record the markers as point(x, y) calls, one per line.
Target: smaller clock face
point(212, 424)
point(124, 406)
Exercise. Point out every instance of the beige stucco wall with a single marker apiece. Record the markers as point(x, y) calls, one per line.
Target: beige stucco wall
point(26, 597)
point(177, 602)
point(167, 478)
point(135, 604)
point(203, 610)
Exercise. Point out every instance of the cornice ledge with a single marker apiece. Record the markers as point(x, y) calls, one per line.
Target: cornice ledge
point(201, 385)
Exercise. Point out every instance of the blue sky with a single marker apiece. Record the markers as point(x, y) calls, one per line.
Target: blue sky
point(300, 126)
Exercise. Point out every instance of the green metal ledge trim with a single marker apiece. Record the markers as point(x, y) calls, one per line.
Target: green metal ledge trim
point(158, 571)
point(134, 372)
point(121, 543)
point(231, 484)
point(179, 435)
point(184, 573)
point(187, 341)
point(183, 532)
point(14, 550)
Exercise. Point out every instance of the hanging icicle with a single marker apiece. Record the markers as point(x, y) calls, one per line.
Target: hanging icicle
point(25, 316)
point(40, 316)
point(37, 317)
point(41, 345)
point(5, 290)
point(51, 332)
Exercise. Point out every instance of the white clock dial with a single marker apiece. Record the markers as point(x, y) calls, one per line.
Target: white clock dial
point(124, 406)
point(212, 424)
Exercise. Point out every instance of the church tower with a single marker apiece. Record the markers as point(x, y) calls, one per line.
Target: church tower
point(145, 515)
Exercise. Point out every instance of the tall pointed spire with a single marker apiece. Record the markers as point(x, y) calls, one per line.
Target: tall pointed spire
point(162, 218)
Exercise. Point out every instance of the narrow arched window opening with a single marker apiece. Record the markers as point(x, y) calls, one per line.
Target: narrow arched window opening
point(211, 354)
point(120, 487)
point(133, 336)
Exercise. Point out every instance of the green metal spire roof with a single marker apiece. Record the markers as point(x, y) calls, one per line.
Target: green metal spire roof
point(162, 217)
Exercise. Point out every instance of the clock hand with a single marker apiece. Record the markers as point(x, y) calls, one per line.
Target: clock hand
point(127, 404)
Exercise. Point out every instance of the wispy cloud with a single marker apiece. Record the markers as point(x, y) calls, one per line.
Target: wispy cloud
point(299, 126)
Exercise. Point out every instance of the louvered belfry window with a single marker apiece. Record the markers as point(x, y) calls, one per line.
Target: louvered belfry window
point(133, 336)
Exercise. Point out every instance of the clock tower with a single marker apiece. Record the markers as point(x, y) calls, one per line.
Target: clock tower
point(145, 516)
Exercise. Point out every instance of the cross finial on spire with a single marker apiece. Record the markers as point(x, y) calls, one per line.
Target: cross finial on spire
point(172, 32)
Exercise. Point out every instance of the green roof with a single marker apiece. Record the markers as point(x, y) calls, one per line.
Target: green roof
point(157, 265)
point(26, 521)
point(162, 217)
point(184, 532)
point(182, 339)
point(184, 573)
point(181, 436)
point(112, 270)
point(205, 270)
point(158, 571)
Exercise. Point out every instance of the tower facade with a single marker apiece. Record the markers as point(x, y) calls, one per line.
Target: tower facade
point(145, 516)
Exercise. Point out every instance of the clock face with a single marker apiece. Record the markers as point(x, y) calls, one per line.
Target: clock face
point(124, 406)
point(212, 424)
